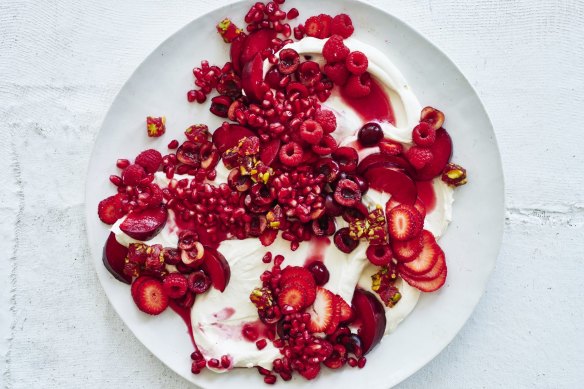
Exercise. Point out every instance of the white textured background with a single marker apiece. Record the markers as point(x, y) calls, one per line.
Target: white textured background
point(61, 64)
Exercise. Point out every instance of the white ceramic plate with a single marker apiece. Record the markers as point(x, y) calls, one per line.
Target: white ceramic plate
point(472, 242)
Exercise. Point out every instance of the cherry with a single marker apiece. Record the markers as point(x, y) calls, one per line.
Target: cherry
point(329, 168)
point(347, 193)
point(331, 207)
point(370, 134)
point(319, 272)
point(344, 242)
point(347, 158)
point(289, 61)
point(323, 226)
point(199, 282)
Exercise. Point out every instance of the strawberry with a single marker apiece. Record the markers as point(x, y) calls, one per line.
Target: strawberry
point(345, 311)
point(390, 147)
point(325, 22)
point(336, 318)
point(404, 222)
point(150, 160)
point(294, 273)
point(427, 285)
point(435, 272)
point(407, 250)
point(419, 205)
point(322, 311)
point(312, 27)
point(427, 257)
point(150, 297)
point(110, 209)
point(136, 284)
point(292, 299)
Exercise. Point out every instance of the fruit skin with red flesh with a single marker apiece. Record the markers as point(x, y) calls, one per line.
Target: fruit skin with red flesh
point(345, 311)
point(404, 222)
point(442, 151)
point(336, 317)
point(136, 285)
point(109, 210)
point(255, 43)
point(114, 258)
point(393, 181)
point(407, 250)
point(322, 311)
point(252, 78)
point(269, 151)
point(379, 159)
point(427, 285)
point(150, 297)
point(369, 317)
point(235, 52)
point(217, 267)
point(292, 299)
point(145, 225)
point(435, 272)
point(302, 278)
point(226, 137)
point(427, 257)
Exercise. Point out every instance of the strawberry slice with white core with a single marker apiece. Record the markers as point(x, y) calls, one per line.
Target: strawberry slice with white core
point(427, 285)
point(407, 250)
point(150, 297)
point(336, 318)
point(404, 222)
point(345, 311)
point(322, 311)
point(427, 258)
point(435, 272)
point(292, 299)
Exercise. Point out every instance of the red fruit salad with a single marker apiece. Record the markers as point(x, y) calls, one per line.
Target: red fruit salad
point(302, 230)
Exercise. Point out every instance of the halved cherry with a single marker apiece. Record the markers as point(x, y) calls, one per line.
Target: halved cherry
point(146, 224)
point(442, 151)
point(217, 267)
point(369, 318)
point(114, 258)
point(393, 181)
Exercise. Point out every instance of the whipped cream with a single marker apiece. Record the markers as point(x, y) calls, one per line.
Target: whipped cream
point(218, 318)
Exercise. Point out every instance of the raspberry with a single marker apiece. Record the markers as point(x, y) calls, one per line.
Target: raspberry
point(326, 119)
point(133, 174)
point(357, 62)
point(342, 25)
point(312, 27)
point(327, 145)
point(334, 50)
point(419, 156)
point(293, 13)
point(311, 132)
point(175, 285)
point(424, 134)
point(358, 86)
point(150, 160)
point(291, 154)
point(337, 73)
point(110, 210)
point(326, 22)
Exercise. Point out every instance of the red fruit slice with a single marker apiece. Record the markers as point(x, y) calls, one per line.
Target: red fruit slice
point(435, 272)
point(114, 258)
point(255, 43)
point(268, 237)
point(396, 182)
point(145, 225)
point(291, 299)
point(427, 258)
point(407, 250)
point(427, 285)
point(150, 297)
point(308, 287)
point(110, 209)
point(269, 151)
point(322, 311)
point(296, 272)
point(216, 267)
point(136, 284)
point(442, 151)
point(369, 318)
point(226, 137)
point(235, 52)
point(345, 311)
point(404, 222)
point(252, 78)
point(379, 159)
point(336, 318)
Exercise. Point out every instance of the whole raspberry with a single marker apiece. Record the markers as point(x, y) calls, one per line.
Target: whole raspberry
point(358, 86)
point(175, 285)
point(327, 145)
point(312, 27)
point(342, 25)
point(357, 62)
point(326, 22)
point(291, 154)
point(419, 157)
point(334, 50)
point(337, 73)
point(150, 160)
point(326, 119)
point(311, 132)
point(133, 174)
point(424, 134)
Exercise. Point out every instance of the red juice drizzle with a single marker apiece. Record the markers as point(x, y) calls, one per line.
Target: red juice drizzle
point(318, 245)
point(376, 106)
point(185, 314)
point(426, 194)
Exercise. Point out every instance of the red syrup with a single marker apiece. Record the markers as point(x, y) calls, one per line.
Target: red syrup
point(318, 247)
point(376, 106)
point(426, 194)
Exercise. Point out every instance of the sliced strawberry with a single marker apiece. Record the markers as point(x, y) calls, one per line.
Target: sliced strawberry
point(404, 222)
point(407, 250)
point(427, 285)
point(136, 284)
point(312, 27)
point(421, 207)
point(110, 210)
point(292, 299)
point(322, 311)
point(435, 272)
point(326, 22)
point(308, 287)
point(296, 272)
point(427, 258)
point(336, 318)
point(150, 297)
point(345, 311)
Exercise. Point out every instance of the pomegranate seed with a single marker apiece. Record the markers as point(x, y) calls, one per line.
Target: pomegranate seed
point(270, 379)
point(215, 363)
point(352, 362)
point(122, 163)
point(293, 13)
point(173, 144)
point(116, 180)
point(361, 363)
point(261, 344)
point(225, 361)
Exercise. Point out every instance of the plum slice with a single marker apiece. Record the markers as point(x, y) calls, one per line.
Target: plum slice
point(369, 318)
point(442, 151)
point(217, 267)
point(394, 181)
point(146, 224)
point(114, 258)
point(269, 151)
point(252, 78)
point(255, 43)
point(226, 137)
point(379, 159)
